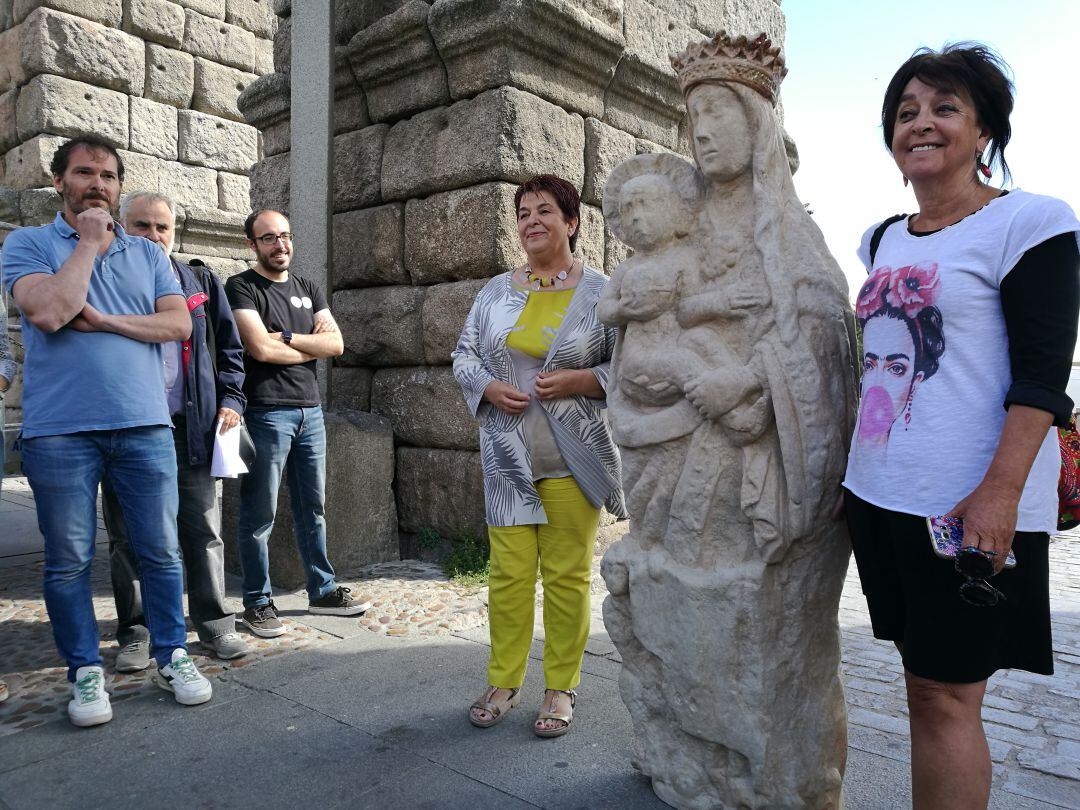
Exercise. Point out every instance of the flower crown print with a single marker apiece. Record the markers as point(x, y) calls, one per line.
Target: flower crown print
point(911, 289)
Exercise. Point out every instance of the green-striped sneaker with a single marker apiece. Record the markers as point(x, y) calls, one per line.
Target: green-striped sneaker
point(181, 678)
point(89, 704)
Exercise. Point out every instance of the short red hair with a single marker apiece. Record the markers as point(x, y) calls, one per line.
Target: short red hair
point(564, 194)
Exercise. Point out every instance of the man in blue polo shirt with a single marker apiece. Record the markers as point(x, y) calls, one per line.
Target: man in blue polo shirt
point(96, 306)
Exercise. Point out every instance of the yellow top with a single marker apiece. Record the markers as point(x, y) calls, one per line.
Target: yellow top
point(539, 321)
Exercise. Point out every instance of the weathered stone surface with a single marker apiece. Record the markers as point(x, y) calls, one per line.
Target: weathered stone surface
point(8, 114)
point(106, 12)
point(369, 247)
point(605, 148)
point(219, 41)
point(350, 106)
point(12, 73)
point(358, 160)
point(264, 56)
point(644, 100)
point(729, 488)
point(380, 325)
point(155, 20)
point(234, 192)
point(397, 65)
point(153, 128)
point(217, 88)
point(38, 206)
point(252, 15)
point(283, 46)
point(170, 76)
point(76, 48)
point(27, 165)
point(270, 182)
point(441, 490)
point(548, 47)
point(145, 173)
point(191, 186)
point(206, 140)
point(443, 316)
point(212, 232)
point(502, 134)
point(265, 101)
point(361, 516)
point(426, 407)
point(462, 234)
point(749, 17)
point(56, 106)
point(351, 16)
point(210, 8)
point(350, 388)
point(590, 243)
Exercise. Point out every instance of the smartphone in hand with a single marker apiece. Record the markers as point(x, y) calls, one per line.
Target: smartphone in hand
point(947, 538)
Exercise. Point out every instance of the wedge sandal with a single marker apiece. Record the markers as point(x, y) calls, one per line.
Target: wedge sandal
point(566, 718)
point(497, 710)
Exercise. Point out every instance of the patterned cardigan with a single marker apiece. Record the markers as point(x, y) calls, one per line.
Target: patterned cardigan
point(578, 423)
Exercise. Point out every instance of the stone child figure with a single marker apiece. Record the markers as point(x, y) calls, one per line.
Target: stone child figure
point(733, 397)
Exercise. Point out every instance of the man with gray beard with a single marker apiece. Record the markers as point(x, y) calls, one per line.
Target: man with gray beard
point(204, 378)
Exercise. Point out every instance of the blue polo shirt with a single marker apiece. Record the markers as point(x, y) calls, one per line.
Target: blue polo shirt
point(75, 381)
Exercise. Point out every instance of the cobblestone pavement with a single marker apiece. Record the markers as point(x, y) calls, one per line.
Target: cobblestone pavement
point(1032, 721)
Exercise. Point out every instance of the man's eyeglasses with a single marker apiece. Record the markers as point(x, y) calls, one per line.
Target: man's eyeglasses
point(272, 238)
point(976, 567)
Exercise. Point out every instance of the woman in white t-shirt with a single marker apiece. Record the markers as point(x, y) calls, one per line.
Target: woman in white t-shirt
point(969, 319)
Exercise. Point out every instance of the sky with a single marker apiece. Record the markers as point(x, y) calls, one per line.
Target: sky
point(841, 55)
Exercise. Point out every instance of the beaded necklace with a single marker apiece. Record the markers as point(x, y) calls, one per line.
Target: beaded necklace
point(556, 281)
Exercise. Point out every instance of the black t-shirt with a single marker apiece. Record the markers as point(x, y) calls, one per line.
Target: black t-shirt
point(283, 305)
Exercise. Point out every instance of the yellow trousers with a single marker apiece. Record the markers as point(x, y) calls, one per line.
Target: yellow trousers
point(563, 547)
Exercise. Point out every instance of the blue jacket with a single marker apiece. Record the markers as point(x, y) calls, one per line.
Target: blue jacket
point(210, 382)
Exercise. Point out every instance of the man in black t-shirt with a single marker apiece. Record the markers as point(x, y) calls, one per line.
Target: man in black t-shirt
point(285, 325)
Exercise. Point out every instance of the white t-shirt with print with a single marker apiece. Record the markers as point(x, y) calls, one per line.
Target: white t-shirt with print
point(925, 436)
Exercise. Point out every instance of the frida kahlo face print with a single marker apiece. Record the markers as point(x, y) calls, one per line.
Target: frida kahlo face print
point(902, 342)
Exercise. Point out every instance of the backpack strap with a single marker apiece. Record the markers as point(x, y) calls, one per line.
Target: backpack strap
point(879, 232)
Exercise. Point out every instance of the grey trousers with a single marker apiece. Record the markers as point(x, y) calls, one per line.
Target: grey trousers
point(198, 523)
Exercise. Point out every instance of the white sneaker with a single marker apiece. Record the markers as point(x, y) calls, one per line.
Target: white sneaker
point(90, 702)
point(181, 678)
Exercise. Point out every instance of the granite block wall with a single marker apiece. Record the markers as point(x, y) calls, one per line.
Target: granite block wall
point(441, 108)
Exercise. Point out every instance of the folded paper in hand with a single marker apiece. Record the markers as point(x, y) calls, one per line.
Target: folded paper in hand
point(226, 462)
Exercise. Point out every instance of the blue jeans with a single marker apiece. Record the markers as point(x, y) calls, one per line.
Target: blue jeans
point(297, 436)
point(64, 473)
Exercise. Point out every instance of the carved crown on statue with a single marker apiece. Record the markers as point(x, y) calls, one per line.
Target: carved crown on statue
point(753, 61)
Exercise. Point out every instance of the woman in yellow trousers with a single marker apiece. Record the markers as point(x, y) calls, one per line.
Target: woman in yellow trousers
point(532, 362)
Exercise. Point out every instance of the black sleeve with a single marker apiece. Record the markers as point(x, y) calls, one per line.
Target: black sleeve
point(1041, 302)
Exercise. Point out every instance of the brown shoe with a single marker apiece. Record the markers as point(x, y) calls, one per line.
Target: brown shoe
point(551, 713)
point(498, 709)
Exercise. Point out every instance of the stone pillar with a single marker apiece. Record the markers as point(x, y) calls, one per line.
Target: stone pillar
point(442, 108)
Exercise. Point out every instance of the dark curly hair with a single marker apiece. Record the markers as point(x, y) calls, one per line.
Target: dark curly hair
point(967, 68)
point(62, 156)
point(564, 194)
point(926, 334)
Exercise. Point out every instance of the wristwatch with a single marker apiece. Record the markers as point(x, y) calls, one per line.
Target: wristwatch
point(286, 336)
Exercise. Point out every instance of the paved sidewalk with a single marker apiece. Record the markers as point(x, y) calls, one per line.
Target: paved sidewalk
point(371, 712)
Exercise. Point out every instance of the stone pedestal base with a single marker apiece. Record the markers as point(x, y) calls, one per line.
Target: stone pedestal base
point(749, 712)
point(361, 516)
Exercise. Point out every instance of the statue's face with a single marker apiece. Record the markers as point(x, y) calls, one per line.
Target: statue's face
point(722, 143)
point(650, 210)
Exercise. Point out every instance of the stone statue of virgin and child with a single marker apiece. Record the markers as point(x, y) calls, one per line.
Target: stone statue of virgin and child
point(732, 405)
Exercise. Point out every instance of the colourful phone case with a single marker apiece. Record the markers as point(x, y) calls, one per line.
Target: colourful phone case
point(947, 538)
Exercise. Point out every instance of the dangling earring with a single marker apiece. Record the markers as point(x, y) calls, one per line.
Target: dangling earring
point(984, 170)
point(905, 181)
point(907, 413)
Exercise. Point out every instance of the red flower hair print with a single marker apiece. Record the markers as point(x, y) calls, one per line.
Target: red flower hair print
point(871, 294)
point(912, 288)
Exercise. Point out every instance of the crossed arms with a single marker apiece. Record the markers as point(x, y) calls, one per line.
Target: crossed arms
point(268, 347)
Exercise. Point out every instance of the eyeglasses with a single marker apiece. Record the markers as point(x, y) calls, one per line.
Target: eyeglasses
point(272, 238)
point(976, 567)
